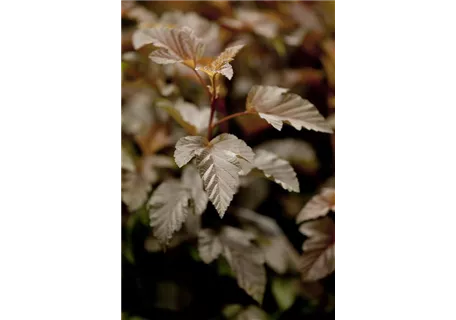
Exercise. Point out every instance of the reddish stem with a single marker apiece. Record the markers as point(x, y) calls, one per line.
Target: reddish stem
point(203, 83)
point(231, 116)
point(211, 117)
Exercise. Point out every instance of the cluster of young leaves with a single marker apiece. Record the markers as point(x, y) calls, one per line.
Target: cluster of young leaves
point(214, 168)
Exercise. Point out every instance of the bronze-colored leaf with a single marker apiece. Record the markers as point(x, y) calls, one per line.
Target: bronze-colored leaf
point(318, 258)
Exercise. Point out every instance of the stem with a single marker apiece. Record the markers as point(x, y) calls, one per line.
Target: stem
point(211, 117)
point(203, 83)
point(231, 116)
point(333, 147)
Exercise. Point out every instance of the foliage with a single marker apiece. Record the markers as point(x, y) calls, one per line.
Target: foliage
point(228, 194)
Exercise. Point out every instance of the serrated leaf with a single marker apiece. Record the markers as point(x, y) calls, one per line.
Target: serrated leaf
point(277, 169)
point(285, 291)
point(247, 264)
point(318, 258)
point(189, 116)
point(209, 245)
point(221, 64)
point(187, 148)
point(135, 189)
point(218, 162)
point(168, 208)
point(279, 254)
point(318, 205)
point(245, 259)
point(192, 180)
point(174, 44)
point(277, 106)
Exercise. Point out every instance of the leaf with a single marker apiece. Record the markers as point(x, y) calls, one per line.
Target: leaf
point(297, 152)
point(218, 162)
point(152, 244)
point(306, 17)
point(285, 291)
point(189, 116)
point(209, 245)
point(277, 169)
point(155, 139)
point(317, 260)
point(135, 189)
point(174, 44)
point(192, 224)
point(168, 208)
point(151, 163)
point(192, 180)
point(290, 149)
point(296, 37)
point(245, 259)
point(204, 29)
point(187, 148)
point(236, 237)
point(247, 262)
point(249, 270)
point(222, 63)
point(264, 224)
point(129, 227)
point(252, 313)
point(279, 254)
point(137, 114)
point(143, 16)
point(231, 310)
point(276, 105)
point(318, 206)
point(249, 19)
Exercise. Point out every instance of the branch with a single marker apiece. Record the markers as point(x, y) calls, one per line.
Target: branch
point(231, 116)
point(203, 83)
